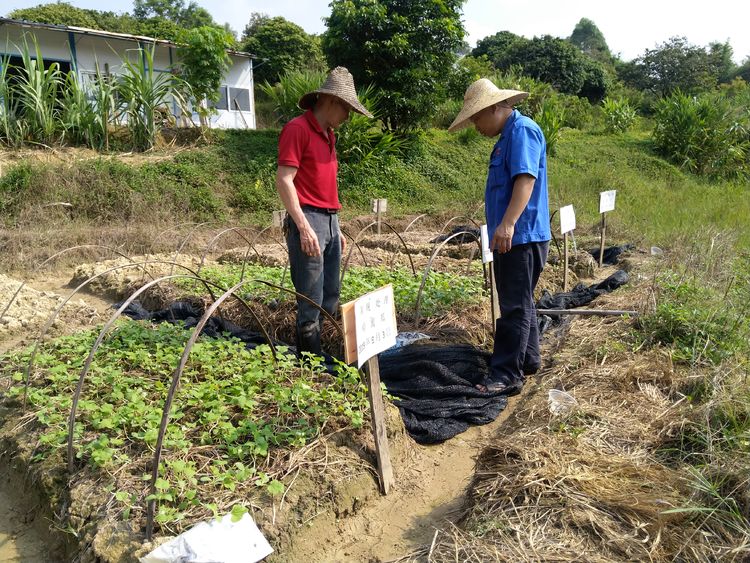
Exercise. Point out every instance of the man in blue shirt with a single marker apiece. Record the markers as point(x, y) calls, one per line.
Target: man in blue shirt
point(517, 210)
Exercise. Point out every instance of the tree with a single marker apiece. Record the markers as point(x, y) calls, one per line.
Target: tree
point(284, 45)
point(495, 47)
point(59, 13)
point(550, 60)
point(176, 11)
point(402, 48)
point(590, 40)
point(673, 65)
point(720, 60)
point(204, 60)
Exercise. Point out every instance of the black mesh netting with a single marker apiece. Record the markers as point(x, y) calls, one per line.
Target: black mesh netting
point(435, 387)
point(433, 383)
point(611, 253)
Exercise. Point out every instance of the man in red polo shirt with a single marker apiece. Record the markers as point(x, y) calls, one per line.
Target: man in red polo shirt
point(306, 182)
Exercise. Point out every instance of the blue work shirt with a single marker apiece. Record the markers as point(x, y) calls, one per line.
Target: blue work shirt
point(521, 149)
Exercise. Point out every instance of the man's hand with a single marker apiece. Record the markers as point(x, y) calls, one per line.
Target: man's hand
point(308, 239)
point(343, 242)
point(503, 237)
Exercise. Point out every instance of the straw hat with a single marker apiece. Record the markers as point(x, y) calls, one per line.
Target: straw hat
point(339, 83)
point(483, 94)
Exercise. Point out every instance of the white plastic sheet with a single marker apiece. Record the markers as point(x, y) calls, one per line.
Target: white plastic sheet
point(218, 541)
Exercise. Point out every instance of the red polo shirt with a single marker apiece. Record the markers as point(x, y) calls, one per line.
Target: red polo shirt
point(306, 147)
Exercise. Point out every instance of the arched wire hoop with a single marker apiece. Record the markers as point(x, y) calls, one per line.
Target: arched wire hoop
point(100, 339)
point(429, 267)
point(55, 256)
point(413, 221)
point(345, 267)
point(150, 509)
point(185, 240)
point(51, 319)
point(456, 218)
point(216, 238)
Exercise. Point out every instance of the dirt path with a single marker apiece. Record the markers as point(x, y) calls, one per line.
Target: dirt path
point(429, 493)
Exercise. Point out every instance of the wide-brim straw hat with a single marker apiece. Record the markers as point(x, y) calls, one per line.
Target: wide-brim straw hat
point(482, 94)
point(340, 83)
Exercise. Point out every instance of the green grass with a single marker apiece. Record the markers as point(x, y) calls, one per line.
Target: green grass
point(232, 179)
point(656, 202)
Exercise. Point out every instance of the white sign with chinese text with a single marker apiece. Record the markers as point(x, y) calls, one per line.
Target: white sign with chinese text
point(567, 219)
point(607, 201)
point(375, 321)
point(486, 252)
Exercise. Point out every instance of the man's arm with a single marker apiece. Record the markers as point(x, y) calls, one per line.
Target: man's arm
point(502, 239)
point(288, 194)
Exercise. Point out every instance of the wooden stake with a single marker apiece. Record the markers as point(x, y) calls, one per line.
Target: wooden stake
point(601, 243)
point(565, 262)
point(377, 206)
point(375, 395)
point(494, 298)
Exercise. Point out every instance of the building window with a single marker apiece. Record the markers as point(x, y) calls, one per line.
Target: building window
point(239, 99)
point(222, 102)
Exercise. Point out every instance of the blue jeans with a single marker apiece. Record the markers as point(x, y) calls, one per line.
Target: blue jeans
point(316, 277)
point(516, 349)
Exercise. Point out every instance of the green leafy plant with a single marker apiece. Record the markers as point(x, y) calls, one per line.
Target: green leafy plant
point(550, 117)
point(36, 90)
point(705, 135)
point(618, 115)
point(204, 58)
point(238, 411)
point(285, 94)
point(146, 95)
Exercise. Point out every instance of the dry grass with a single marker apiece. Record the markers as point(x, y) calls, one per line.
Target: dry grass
point(594, 484)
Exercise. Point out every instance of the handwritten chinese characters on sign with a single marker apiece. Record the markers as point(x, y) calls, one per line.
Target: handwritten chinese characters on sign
point(375, 321)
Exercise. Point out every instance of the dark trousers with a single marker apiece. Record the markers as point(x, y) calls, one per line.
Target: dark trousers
point(316, 277)
point(516, 350)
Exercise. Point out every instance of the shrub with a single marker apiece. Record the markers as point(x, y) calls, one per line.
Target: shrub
point(618, 115)
point(550, 118)
point(704, 135)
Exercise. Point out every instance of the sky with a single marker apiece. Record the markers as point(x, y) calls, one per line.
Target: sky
point(629, 27)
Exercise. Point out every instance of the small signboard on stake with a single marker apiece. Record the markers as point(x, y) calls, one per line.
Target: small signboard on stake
point(278, 218)
point(486, 252)
point(607, 201)
point(373, 320)
point(567, 224)
point(370, 328)
point(379, 206)
point(567, 219)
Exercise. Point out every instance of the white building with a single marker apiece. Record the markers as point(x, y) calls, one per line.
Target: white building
point(82, 50)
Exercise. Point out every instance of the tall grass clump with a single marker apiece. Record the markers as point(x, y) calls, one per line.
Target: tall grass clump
point(550, 118)
point(11, 130)
point(618, 115)
point(707, 134)
point(145, 93)
point(291, 86)
point(37, 89)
